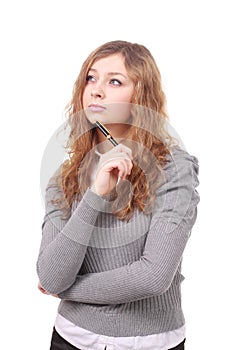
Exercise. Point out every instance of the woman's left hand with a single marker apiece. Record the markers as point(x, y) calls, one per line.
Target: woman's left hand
point(42, 290)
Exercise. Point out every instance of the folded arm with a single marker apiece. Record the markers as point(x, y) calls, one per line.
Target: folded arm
point(65, 241)
point(172, 221)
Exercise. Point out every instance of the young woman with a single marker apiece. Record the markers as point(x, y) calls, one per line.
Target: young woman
point(118, 217)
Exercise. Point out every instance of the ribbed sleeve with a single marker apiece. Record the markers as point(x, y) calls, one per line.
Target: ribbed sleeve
point(120, 278)
point(152, 274)
point(64, 241)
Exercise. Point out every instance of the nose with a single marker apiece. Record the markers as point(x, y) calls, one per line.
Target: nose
point(97, 91)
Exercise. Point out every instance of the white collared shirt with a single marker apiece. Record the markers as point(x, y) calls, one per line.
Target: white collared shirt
point(86, 340)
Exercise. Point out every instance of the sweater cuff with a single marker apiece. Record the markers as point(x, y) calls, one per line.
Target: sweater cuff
point(97, 202)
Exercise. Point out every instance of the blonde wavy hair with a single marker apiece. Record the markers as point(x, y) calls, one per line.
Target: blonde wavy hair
point(147, 132)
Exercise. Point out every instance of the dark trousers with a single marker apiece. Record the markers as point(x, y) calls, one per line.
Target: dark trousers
point(58, 343)
point(179, 346)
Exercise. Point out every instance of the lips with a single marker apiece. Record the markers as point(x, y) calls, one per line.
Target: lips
point(95, 107)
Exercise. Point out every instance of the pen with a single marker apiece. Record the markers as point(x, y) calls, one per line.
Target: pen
point(106, 133)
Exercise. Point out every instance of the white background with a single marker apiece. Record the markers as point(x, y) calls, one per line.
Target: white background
point(43, 44)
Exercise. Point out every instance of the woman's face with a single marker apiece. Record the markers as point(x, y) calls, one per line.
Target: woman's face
point(108, 92)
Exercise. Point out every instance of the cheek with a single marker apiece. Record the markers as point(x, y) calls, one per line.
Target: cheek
point(119, 112)
point(129, 94)
point(84, 98)
point(126, 96)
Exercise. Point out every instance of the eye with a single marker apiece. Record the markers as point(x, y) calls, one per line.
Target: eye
point(115, 82)
point(90, 78)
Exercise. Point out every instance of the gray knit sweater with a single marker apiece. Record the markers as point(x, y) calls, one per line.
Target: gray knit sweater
point(121, 278)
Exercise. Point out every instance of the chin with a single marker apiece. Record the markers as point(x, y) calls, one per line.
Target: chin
point(92, 118)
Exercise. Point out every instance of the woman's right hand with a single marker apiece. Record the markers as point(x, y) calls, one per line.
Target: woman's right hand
point(113, 166)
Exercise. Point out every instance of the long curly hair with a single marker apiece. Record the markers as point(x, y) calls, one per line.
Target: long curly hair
point(147, 133)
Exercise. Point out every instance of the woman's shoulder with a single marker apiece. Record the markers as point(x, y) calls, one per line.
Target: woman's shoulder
point(181, 169)
point(177, 152)
point(179, 158)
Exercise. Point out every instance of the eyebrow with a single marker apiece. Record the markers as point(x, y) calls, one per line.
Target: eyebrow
point(109, 73)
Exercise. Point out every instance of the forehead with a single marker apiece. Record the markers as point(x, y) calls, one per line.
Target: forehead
point(111, 63)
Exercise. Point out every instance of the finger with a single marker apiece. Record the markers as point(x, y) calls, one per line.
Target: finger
point(128, 166)
point(120, 149)
point(119, 167)
point(42, 290)
point(124, 169)
point(126, 150)
point(124, 166)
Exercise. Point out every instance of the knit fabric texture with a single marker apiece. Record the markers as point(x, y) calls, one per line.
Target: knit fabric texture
point(120, 278)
